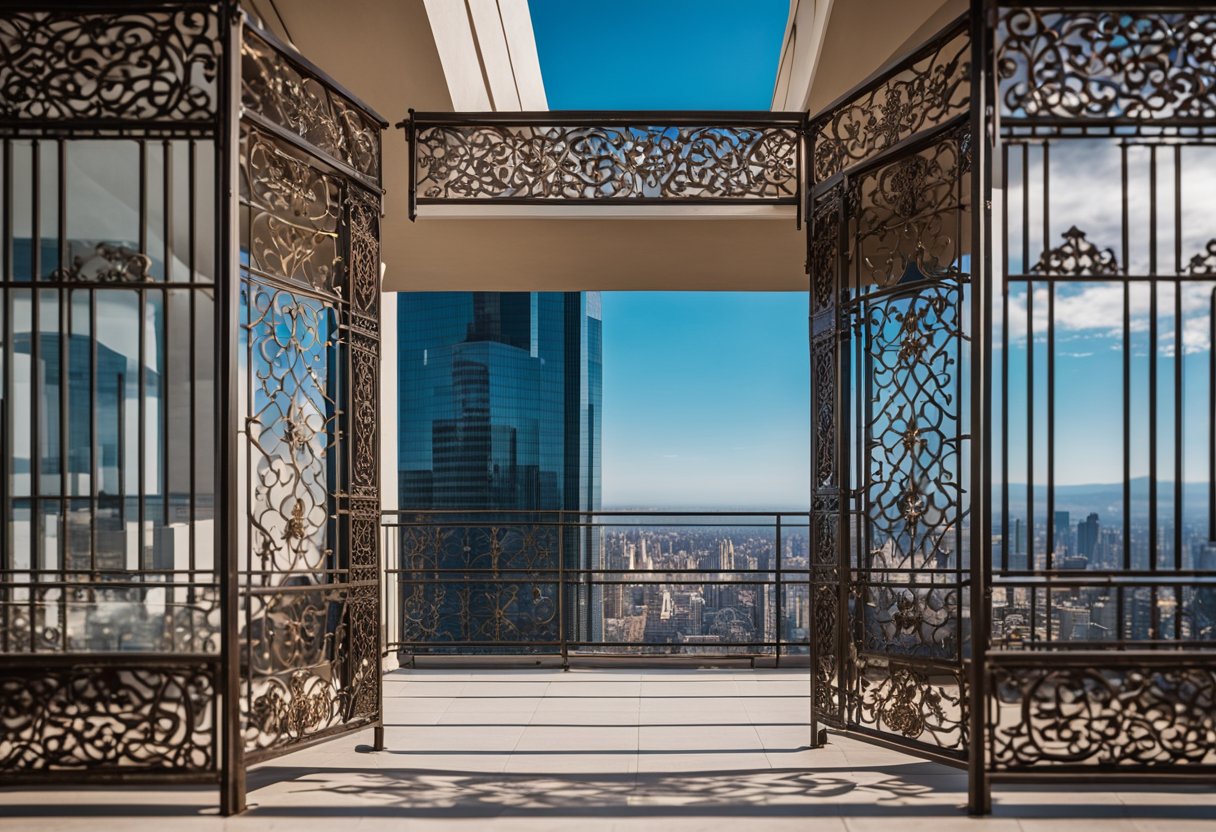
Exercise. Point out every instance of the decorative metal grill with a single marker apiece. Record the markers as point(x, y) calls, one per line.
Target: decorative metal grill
point(1102, 629)
point(594, 158)
point(891, 345)
point(505, 582)
point(189, 568)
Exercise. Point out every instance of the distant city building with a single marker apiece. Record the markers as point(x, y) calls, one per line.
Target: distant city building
point(500, 398)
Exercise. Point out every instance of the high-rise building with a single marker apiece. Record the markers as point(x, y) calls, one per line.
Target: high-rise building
point(1062, 533)
point(500, 408)
point(1087, 536)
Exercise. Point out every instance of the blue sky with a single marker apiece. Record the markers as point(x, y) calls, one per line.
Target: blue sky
point(659, 54)
point(706, 395)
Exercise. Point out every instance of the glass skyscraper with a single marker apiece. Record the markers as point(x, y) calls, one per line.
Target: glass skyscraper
point(500, 398)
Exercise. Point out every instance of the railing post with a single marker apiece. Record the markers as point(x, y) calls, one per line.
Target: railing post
point(561, 589)
point(778, 605)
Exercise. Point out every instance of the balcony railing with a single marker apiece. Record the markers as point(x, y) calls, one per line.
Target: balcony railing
point(583, 158)
point(708, 584)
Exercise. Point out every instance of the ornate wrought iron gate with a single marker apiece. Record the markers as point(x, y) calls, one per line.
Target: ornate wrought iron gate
point(950, 385)
point(189, 331)
point(1102, 609)
point(896, 342)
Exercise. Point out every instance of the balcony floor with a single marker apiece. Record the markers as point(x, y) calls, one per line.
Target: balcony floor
point(539, 749)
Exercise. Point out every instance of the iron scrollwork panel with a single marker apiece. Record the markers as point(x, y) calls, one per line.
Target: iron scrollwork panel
point(310, 301)
point(155, 65)
point(909, 333)
point(479, 583)
point(1138, 65)
point(277, 89)
point(930, 90)
point(98, 717)
point(1102, 711)
point(594, 162)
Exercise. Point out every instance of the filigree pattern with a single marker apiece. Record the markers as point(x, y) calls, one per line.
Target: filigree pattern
point(1203, 263)
point(1140, 65)
point(823, 370)
point(637, 162)
point(276, 88)
point(365, 450)
point(909, 223)
point(825, 249)
point(915, 701)
point(89, 717)
point(920, 95)
point(1106, 711)
point(292, 427)
point(913, 456)
point(137, 66)
point(437, 608)
point(364, 231)
point(107, 263)
point(293, 213)
point(1076, 257)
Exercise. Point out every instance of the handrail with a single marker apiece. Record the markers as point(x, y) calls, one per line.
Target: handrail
point(469, 559)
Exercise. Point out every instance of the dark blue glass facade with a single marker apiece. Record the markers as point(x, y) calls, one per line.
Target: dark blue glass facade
point(500, 400)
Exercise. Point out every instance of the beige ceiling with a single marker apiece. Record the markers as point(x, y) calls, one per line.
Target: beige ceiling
point(384, 52)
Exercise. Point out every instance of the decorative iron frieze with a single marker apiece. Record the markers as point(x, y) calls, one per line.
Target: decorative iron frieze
point(439, 608)
point(1108, 712)
point(538, 162)
point(294, 211)
point(913, 701)
point(1101, 65)
point(279, 90)
point(825, 250)
point(927, 92)
point(96, 717)
point(139, 66)
point(911, 216)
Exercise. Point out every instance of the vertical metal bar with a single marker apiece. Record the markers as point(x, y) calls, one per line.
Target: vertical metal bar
point(36, 535)
point(141, 376)
point(561, 589)
point(7, 561)
point(1127, 405)
point(1154, 612)
point(778, 604)
point(1049, 555)
point(192, 349)
point(232, 767)
point(166, 379)
point(94, 460)
point(978, 792)
point(1031, 553)
point(1179, 396)
point(1005, 356)
point(65, 325)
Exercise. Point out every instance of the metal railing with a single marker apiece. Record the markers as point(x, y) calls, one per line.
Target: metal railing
point(602, 584)
point(595, 157)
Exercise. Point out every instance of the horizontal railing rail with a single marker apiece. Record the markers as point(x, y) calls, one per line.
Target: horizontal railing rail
point(597, 583)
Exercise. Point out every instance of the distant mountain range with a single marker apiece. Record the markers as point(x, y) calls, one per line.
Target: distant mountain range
point(1107, 499)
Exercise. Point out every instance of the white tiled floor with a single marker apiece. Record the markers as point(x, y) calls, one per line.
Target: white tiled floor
point(667, 749)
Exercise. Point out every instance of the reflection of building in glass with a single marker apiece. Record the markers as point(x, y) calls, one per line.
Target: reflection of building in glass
point(500, 405)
